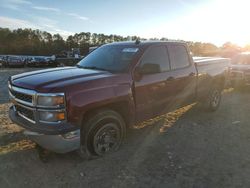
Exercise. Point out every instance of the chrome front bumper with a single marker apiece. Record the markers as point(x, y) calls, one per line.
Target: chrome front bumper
point(57, 143)
point(60, 138)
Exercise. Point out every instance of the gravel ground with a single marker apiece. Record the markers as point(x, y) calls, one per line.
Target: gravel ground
point(185, 148)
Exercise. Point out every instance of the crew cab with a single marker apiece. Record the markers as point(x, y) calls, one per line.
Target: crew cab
point(240, 70)
point(89, 107)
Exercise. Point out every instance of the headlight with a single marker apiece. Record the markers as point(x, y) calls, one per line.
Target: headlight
point(50, 101)
point(51, 116)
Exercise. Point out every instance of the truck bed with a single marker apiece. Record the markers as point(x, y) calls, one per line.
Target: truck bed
point(209, 69)
point(211, 65)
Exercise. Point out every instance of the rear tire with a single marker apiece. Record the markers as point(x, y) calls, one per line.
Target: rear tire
point(214, 98)
point(103, 133)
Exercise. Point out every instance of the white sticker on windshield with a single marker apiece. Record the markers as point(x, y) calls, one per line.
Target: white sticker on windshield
point(130, 50)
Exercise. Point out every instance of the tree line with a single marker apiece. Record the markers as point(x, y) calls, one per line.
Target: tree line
point(36, 42)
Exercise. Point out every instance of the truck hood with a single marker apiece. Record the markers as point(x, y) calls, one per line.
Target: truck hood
point(52, 79)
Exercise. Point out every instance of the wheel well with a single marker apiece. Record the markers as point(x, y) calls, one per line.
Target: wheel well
point(219, 81)
point(121, 107)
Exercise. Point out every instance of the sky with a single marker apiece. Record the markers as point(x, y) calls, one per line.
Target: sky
point(215, 21)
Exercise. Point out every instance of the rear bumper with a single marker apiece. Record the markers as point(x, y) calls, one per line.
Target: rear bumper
point(56, 143)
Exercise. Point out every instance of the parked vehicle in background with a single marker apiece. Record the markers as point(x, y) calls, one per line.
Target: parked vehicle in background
point(69, 61)
point(30, 61)
point(2, 62)
point(40, 62)
point(68, 58)
point(51, 62)
point(37, 62)
point(14, 61)
point(90, 106)
point(240, 70)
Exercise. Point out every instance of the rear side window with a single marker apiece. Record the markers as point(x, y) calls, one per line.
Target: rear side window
point(178, 56)
point(157, 55)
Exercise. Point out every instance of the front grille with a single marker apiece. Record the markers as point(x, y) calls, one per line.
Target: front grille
point(25, 112)
point(22, 96)
point(25, 105)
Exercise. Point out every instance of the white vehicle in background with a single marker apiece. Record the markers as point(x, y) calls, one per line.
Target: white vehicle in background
point(40, 61)
point(240, 70)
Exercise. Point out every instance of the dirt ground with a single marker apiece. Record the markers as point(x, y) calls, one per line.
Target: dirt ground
point(186, 148)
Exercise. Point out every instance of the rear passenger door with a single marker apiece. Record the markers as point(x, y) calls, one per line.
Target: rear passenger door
point(151, 91)
point(183, 76)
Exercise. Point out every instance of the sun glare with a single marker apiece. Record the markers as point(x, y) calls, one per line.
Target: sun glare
point(217, 22)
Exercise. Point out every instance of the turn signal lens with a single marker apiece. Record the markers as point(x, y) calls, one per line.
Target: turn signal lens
point(60, 116)
point(51, 116)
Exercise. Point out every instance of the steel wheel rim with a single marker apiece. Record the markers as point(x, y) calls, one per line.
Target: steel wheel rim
point(215, 98)
point(107, 139)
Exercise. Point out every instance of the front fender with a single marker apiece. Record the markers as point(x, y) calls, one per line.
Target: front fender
point(83, 101)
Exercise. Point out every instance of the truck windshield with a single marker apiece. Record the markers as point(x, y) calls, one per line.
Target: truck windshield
point(109, 58)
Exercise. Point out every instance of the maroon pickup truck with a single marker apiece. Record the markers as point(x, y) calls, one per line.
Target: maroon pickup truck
point(90, 106)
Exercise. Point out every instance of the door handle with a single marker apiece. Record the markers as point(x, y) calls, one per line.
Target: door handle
point(170, 78)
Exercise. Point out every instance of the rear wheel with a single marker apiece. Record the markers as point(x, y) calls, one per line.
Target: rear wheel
point(103, 133)
point(214, 99)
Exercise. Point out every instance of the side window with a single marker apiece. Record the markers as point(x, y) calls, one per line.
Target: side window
point(178, 56)
point(157, 55)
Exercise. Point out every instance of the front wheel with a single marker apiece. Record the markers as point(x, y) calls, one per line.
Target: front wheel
point(103, 133)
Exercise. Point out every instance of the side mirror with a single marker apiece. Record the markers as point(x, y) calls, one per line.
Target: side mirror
point(149, 68)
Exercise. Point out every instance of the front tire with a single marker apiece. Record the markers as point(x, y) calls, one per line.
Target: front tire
point(103, 133)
